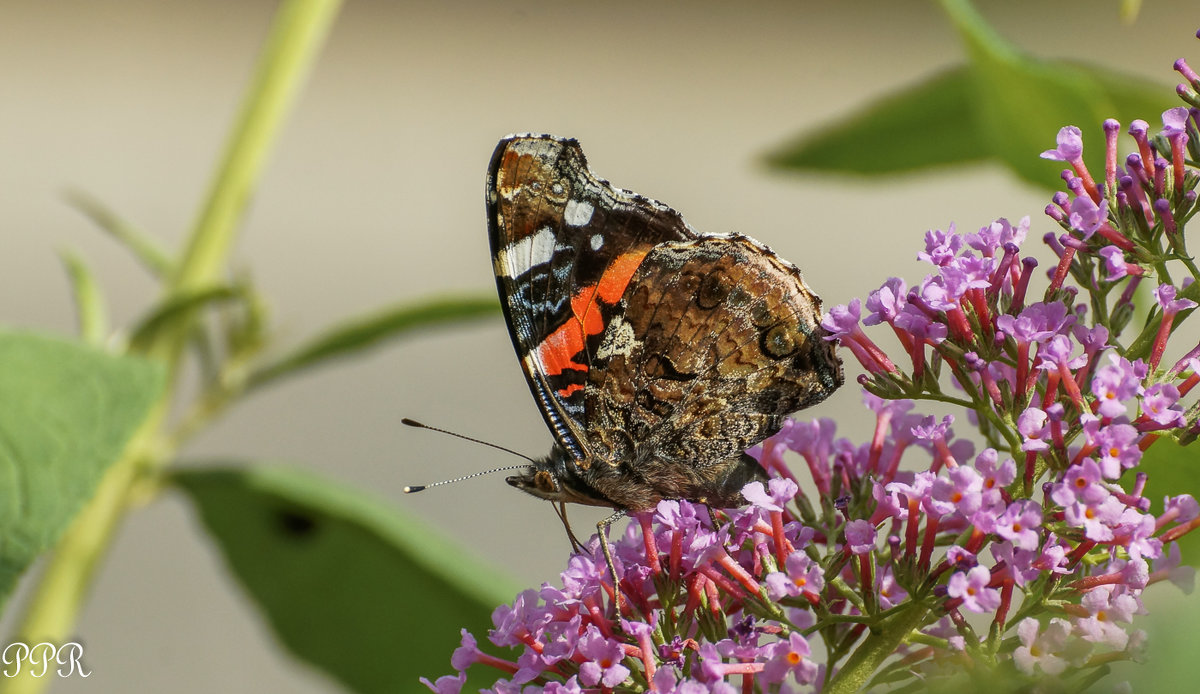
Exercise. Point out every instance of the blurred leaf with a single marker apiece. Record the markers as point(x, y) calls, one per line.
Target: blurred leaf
point(929, 124)
point(1020, 102)
point(1172, 470)
point(1004, 105)
point(177, 309)
point(358, 334)
point(89, 304)
point(67, 413)
point(144, 248)
point(347, 583)
point(1133, 97)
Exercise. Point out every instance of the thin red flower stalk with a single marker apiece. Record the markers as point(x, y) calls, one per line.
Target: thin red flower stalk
point(718, 580)
point(1079, 552)
point(944, 456)
point(727, 669)
point(676, 556)
point(494, 662)
point(1030, 465)
point(1179, 531)
point(1060, 273)
point(978, 301)
point(632, 651)
point(931, 528)
point(1050, 396)
point(1085, 177)
point(1161, 337)
point(1115, 237)
point(695, 592)
point(911, 531)
point(976, 542)
point(883, 419)
point(1069, 385)
point(1089, 582)
point(646, 521)
point(646, 653)
point(1006, 592)
point(738, 572)
point(1111, 131)
point(958, 323)
point(894, 465)
point(1137, 129)
point(714, 596)
point(1177, 156)
point(873, 359)
point(991, 388)
point(1022, 377)
point(596, 611)
point(782, 546)
point(917, 354)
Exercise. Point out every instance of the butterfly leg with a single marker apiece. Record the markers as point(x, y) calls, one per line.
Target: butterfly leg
point(560, 509)
point(712, 515)
point(602, 532)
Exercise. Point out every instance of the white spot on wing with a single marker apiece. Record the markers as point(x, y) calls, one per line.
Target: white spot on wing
point(533, 250)
point(597, 241)
point(618, 340)
point(578, 213)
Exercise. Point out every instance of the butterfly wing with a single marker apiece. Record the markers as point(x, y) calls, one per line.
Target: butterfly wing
point(564, 246)
point(718, 340)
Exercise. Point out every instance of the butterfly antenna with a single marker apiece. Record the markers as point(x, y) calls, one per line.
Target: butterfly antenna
point(420, 487)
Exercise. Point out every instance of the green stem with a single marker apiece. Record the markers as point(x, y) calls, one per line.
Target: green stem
point(296, 35)
point(51, 613)
point(878, 647)
point(294, 41)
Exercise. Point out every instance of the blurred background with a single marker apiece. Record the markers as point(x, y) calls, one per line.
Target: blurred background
point(375, 195)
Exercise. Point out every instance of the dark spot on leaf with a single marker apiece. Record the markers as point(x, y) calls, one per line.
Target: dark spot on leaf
point(295, 524)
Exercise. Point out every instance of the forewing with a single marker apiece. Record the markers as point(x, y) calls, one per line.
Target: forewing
point(720, 339)
point(564, 246)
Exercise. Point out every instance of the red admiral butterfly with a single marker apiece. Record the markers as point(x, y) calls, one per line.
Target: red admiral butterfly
point(656, 354)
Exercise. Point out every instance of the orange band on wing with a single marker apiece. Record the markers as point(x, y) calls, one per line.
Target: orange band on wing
point(557, 352)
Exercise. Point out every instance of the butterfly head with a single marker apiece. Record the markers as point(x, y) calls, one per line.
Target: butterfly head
point(558, 477)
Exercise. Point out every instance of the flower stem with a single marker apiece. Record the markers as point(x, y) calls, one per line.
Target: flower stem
point(878, 647)
point(294, 41)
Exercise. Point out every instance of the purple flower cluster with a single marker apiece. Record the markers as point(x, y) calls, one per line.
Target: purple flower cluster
point(1022, 547)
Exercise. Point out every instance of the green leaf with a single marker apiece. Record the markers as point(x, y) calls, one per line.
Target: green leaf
point(148, 252)
point(1133, 97)
point(1172, 470)
point(926, 125)
point(361, 333)
point(1005, 106)
point(67, 412)
point(1020, 102)
point(89, 304)
point(347, 583)
point(178, 309)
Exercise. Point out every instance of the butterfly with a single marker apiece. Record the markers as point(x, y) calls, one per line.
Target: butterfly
point(655, 353)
